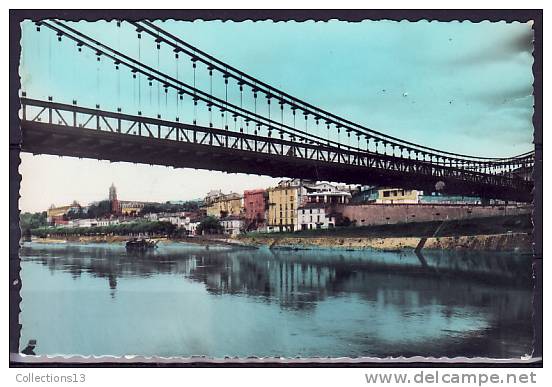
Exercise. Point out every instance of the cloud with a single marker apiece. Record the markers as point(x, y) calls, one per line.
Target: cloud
point(508, 94)
point(496, 50)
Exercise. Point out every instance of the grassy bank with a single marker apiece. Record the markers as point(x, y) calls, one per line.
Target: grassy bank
point(451, 228)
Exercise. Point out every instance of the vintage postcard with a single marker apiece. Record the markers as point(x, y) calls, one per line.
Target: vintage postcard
point(211, 190)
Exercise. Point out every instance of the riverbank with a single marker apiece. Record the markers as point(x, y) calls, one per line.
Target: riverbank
point(85, 239)
point(200, 240)
point(503, 233)
point(506, 233)
point(520, 242)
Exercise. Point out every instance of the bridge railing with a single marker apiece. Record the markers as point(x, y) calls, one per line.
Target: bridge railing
point(51, 113)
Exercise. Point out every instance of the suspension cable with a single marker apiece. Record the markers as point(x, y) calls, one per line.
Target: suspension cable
point(150, 70)
point(219, 65)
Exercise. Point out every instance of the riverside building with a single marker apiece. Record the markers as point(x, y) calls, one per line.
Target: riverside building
point(224, 205)
point(317, 210)
point(255, 205)
point(58, 215)
point(283, 201)
point(397, 196)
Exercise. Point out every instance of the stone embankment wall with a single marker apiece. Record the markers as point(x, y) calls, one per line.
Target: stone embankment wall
point(378, 214)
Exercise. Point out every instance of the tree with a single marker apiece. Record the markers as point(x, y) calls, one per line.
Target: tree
point(99, 210)
point(76, 213)
point(140, 227)
point(209, 225)
point(153, 208)
point(30, 221)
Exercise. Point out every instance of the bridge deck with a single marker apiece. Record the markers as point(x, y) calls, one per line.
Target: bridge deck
point(221, 150)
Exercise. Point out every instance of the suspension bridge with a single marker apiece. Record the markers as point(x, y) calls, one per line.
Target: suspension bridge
point(220, 118)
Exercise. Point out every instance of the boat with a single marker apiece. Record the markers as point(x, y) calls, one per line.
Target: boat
point(140, 244)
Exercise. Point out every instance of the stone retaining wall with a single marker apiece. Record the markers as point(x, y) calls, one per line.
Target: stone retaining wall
point(377, 214)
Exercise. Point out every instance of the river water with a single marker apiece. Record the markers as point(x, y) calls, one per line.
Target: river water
point(185, 299)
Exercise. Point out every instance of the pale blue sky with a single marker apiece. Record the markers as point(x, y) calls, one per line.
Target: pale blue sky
point(460, 86)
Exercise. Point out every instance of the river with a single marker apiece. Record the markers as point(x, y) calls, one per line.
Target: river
point(186, 299)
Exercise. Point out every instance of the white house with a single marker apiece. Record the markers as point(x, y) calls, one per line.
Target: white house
point(107, 222)
point(87, 223)
point(327, 193)
point(178, 221)
point(314, 216)
point(191, 228)
point(232, 225)
point(151, 216)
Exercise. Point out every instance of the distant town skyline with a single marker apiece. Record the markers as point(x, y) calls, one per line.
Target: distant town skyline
point(461, 87)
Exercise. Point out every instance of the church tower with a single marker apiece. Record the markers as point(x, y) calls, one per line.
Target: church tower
point(113, 199)
point(112, 193)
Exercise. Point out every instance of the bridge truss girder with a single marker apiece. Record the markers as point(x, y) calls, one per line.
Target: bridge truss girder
point(187, 146)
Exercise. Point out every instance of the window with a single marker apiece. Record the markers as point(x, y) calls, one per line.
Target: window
point(386, 194)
